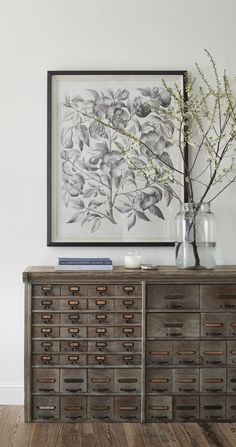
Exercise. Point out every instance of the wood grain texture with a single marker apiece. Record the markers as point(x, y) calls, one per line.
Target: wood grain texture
point(15, 433)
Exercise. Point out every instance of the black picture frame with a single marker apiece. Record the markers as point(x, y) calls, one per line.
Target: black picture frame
point(59, 82)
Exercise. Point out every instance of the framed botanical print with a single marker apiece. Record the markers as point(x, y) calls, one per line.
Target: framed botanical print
point(110, 145)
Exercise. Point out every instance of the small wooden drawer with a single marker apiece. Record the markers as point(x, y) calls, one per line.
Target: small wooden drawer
point(127, 346)
point(73, 408)
point(159, 353)
point(45, 332)
point(100, 318)
point(45, 408)
point(159, 380)
point(73, 381)
point(114, 346)
point(100, 381)
point(176, 296)
point(128, 318)
point(127, 381)
point(158, 408)
point(46, 318)
point(47, 303)
point(74, 290)
point(45, 381)
point(213, 325)
point(173, 325)
point(100, 408)
point(73, 332)
point(231, 407)
point(231, 352)
point(127, 408)
point(73, 359)
point(46, 290)
point(112, 359)
point(231, 380)
point(212, 408)
point(100, 303)
point(186, 381)
point(73, 318)
point(186, 408)
point(218, 296)
point(128, 290)
point(128, 303)
point(231, 324)
point(213, 353)
point(128, 331)
point(45, 346)
point(45, 359)
point(73, 346)
point(101, 290)
point(186, 352)
point(73, 303)
point(100, 332)
point(213, 380)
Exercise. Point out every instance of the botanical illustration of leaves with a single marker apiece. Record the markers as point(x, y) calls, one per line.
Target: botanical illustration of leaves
point(93, 92)
point(85, 134)
point(124, 208)
point(131, 221)
point(76, 217)
point(94, 204)
point(145, 91)
point(88, 193)
point(167, 129)
point(68, 115)
point(106, 179)
point(102, 192)
point(78, 203)
point(96, 224)
point(168, 194)
point(142, 215)
point(165, 158)
point(156, 211)
point(117, 181)
point(147, 201)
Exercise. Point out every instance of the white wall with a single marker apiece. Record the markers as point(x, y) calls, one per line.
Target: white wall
point(41, 35)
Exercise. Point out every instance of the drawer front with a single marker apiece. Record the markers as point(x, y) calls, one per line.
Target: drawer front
point(45, 303)
point(231, 380)
point(231, 352)
point(186, 352)
point(232, 325)
point(45, 332)
point(74, 290)
point(213, 380)
point(100, 332)
point(73, 359)
point(128, 318)
point(101, 318)
point(101, 303)
point(218, 296)
point(101, 290)
point(110, 359)
point(46, 290)
point(46, 318)
point(73, 408)
point(100, 381)
point(114, 346)
point(172, 296)
point(213, 353)
point(128, 303)
point(213, 325)
point(73, 346)
point(231, 407)
point(100, 408)
point(45, 408)
point(45, 359)
point(186, 381)
point(159, 380)
point(127, 408)
point(73, 381)
point(73, 318)
point(186, 408)
point(158, 408)
point(159, 353)
point(127, 331)
point(73, 303)
point(173, 325)
point(45, 346)
point(128, 290)
point(127, 381)
point(212, 407)
point(73, 332)
point(45, 381)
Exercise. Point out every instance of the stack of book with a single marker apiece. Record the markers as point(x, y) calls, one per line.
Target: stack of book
point(76, 264)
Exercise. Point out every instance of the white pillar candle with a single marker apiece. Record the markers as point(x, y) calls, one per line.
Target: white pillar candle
point(133, 261)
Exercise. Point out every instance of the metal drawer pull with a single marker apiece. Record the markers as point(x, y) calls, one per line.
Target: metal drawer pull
point(128, 345)
point(187, 362)
point(128, 317)
point(214, 390)
point(213, 407)
point(101, 289)
point(47, 390)
point(73, 418)
point(186, 352)
point(127, 358)
point(73, 344)
point(159, 352)
point(186, 390)
point(174, 306)
point(100, 380)
point(46, 331)
point(100, 358)
point(233, 352)
point(213, 324)
point(46, 345)
point(46, 407)
point(46, 303)
point(74, 318)
point(174, 334)
point(46, 358)
point(47, 290)
point(127, 380)
point(74, 290)
point(159, 407)
point(101, 344)
point(213, 380)
point(227, 306)
point(186, 407)
point(73, 408)
point(187, 418)
point(214, 362)
point(73, 380)
point(213, 352)
point(160, 362)
point(128, 408)
point(101, 390)
point(73, 358)
point(101, 302)
point(128, 289)
point(101, 418)
point(46, 318)
point(101, 317)
point(173, 297)
point(128, 331)
point(226, 297)
point(73, 331)
point(186, 380)
point(175, 325)
point(73, 303)
point(128, 390)
point(128, 303)
point(214, 334)
point(46, 380)
point(159, 390)
point(46, 417)
point(101, 330)
point(159, 380)
point(233, 407)
point(130, 418)
point(73, 390)
point(233, 380)
point(100, 407)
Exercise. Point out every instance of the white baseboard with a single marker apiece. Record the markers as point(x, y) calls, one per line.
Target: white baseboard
point(11, 393)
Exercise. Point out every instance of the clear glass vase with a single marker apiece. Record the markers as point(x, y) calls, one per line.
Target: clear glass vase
point(195, 236)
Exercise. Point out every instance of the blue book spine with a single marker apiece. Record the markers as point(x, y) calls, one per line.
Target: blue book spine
point(84, 261)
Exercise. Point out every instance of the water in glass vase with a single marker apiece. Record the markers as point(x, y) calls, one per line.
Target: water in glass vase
point(195, 237)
